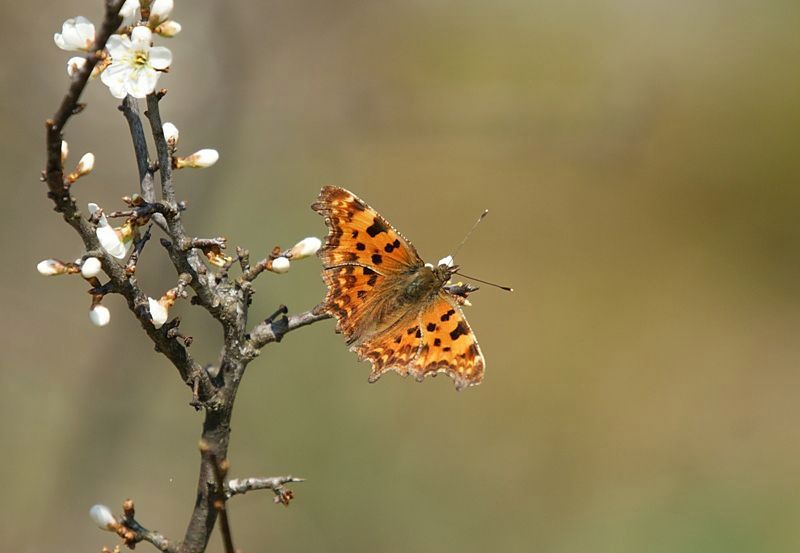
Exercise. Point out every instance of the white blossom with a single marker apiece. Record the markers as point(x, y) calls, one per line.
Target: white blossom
point(306, 247)
point(90, 267)
point(160, 11)
point(51, 267)
point(448, 261)
point(170, 133)
point(135, 64)
point(200, 159)
point(158, 312)
point(280, 265)
point(168, 29)
point(77, 34)
point(101, 515)
point(100, 316)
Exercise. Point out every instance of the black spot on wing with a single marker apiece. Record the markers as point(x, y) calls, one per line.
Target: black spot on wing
point(431, 327)
point(360, 247)
point(377, 259)
point(376, 227)
point(460, 330)
point(437, 342)
point(361, 294)
point(446, 316)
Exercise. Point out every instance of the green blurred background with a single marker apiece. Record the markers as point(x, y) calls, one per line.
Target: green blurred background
point(640, 163)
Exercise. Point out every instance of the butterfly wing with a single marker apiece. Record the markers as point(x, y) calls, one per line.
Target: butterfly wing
point(357, 234)
point(364, 260)
point(366, 265)
point(448, 344)
point(435, 339)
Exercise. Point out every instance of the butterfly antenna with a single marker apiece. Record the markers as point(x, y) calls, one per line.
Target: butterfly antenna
point(485, 212)
point(506, 288)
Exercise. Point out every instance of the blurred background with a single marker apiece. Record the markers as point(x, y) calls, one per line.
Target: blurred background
point(639, 161)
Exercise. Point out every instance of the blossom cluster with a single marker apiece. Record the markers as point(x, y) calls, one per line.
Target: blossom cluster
point(132, 65)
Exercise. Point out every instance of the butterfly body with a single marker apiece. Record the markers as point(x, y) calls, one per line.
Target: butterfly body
point(391, 307)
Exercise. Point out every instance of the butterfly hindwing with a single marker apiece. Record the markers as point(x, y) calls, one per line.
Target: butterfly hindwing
point(448, 344)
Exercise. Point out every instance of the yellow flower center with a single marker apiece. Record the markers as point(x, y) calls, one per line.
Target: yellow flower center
point(140, 58)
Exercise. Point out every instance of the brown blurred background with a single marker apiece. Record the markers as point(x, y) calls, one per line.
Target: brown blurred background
point(640, 163)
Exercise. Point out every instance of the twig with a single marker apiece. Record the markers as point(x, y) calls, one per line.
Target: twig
point(275, 483)
point(132, 532)
point(273, 331)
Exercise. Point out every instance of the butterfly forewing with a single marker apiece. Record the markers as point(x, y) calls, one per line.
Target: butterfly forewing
point(358, 234)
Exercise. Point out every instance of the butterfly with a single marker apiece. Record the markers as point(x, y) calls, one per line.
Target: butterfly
point(392, 308)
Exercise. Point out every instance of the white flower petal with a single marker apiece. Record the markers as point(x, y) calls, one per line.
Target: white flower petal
point(141, 82)
point(100, 316)
point(160, 11)
point(110, 242)
point(160, 57)
point(158, 313)
point(141, 37)
point(85, 30)
point(114, 78)
point(76, 34)
point(448, 261)
point(130, 12)
point(118, 46)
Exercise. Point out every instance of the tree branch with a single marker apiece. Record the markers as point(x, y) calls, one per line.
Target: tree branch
point(237, 486)
point(273, 331)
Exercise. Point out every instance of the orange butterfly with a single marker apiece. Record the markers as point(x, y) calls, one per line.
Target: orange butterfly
point(393, 309)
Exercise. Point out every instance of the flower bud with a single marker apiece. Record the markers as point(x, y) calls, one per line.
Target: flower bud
point(85, 165)
point(91, 267)
point(51, 267)
point(64, 151)
point(280, 265)
point(200, 159)
point(99, 315)
point(169, 28)
point(306, 247)
point(160, 11)
point(170, 133)
point(101, 515)
point(76, 34)
point(74, 65)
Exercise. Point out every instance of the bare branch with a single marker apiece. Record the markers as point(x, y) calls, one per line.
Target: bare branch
point(132, 532)
point(237, 486)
